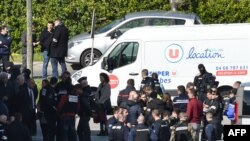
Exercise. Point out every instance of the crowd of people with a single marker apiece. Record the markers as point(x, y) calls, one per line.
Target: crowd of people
point(152, 114)
point(148, 114)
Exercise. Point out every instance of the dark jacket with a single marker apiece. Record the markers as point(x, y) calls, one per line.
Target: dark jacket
point(147, 81)
point(217, 109)
point(119, 132)
point(85, 109)
point(59, 45)
point(182, 132)
point(5, 44)
point(181, 102)
point(140, 133)
point(17, 131)
point(123, 95)
point(134, 110)
point(160, 131)
point(47, 100)
point(110, 123)
point(153, 104)
point(45, 39)
point(68, 105)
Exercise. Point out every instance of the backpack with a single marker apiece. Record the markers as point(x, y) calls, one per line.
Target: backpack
point(230, 111)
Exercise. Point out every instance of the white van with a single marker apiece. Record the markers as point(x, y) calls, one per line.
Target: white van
point(174, 52)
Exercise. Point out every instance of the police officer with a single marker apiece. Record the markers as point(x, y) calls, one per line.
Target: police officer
point(119, 131)
point(113, 120)
point(140, 132)
point(5, 42)
point(182, 99)
point(157, 85)
point(83, 129)
point(203, 81)
point(47, 111)
point(146, 80)
point(160, 131)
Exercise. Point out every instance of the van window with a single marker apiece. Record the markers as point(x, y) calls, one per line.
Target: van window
point(132, 24)
point(123, 54)
point(246, 103)
point(165, 21)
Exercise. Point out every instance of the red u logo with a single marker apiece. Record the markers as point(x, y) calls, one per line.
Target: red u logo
point(174, 54)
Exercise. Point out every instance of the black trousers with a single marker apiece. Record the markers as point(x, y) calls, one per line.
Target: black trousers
point(83, 129)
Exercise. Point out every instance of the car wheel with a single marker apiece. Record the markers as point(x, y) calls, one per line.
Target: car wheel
point(85, 58)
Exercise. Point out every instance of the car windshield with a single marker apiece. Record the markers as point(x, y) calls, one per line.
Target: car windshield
point(109, 26)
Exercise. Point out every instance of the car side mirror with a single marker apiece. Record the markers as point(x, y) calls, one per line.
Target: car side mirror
point(117, 33)
point(105, 63)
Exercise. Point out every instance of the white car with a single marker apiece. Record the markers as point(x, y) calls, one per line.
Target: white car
point(79, 47)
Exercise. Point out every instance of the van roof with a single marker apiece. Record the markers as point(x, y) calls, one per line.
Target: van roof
point(162, 14)
point(193, 32)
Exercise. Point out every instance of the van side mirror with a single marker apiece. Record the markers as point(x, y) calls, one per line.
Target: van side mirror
point(105, 63)
point(115, 34)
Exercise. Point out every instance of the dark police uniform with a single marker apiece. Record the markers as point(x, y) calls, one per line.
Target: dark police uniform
point(139, 133)
point(181, 102)
point(160, 131)
point(48, 113)
point(202, 83)
point(110, 123)
point(83, 129)
point(119, 132)
point(5, 42)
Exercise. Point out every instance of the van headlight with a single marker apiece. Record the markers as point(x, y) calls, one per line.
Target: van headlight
point(76, 75)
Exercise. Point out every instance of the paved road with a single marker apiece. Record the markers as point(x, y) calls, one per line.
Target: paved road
point(37, 69)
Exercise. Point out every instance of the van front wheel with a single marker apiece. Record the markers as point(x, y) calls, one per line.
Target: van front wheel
point(85, 58)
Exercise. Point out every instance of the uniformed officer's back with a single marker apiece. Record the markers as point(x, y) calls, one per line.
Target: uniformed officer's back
point(160, 131)
point(119, 131)
point(140, 132)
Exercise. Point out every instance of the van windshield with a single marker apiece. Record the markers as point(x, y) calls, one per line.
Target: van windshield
point(109, 26)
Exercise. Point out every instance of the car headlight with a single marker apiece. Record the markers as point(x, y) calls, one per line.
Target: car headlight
point(76, 75)
point(75, 43)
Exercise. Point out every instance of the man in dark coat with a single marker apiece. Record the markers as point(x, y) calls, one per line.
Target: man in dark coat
point(59, 47)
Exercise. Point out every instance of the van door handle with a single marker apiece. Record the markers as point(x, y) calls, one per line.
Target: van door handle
point(133, 73)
